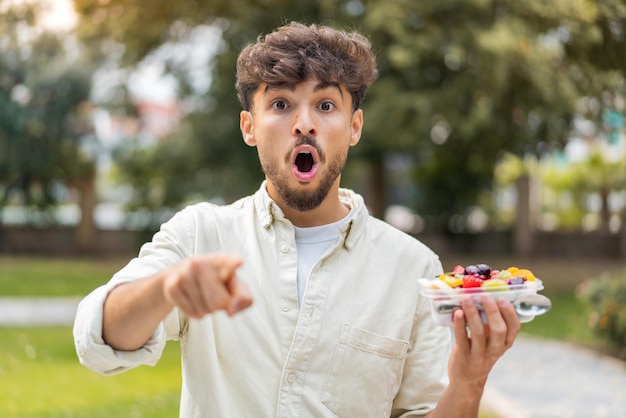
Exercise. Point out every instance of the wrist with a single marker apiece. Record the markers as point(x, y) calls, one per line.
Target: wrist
point(459, 400)
point(468, 390)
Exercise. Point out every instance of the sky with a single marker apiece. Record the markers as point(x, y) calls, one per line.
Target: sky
point(147, 81)
point(60, 14)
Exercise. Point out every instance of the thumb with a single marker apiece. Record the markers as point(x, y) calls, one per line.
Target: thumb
point(226, 265)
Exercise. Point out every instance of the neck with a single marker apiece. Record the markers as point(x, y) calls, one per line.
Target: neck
point(326, 213)
point(330, 210)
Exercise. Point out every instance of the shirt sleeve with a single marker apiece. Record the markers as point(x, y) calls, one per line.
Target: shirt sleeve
point(92, 350)
point(168, 246)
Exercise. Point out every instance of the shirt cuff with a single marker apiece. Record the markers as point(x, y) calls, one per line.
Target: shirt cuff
point(91, 348)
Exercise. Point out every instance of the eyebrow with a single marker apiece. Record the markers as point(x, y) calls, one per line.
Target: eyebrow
point(318, 87)
point(328, 84)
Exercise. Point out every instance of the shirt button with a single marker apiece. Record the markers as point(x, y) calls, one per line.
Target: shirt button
point(291, 378)
point(284, 307)
point(284, 248)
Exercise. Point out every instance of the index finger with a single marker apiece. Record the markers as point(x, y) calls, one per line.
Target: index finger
point(511, 319)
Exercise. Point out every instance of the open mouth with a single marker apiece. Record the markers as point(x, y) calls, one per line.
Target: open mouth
point(304, 163)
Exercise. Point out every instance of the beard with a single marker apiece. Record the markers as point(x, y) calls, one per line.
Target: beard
point(299, 199)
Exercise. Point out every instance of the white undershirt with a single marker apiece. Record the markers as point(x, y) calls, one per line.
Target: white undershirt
point(311, 244)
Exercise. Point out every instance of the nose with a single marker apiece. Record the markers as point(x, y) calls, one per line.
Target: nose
point(304, 124)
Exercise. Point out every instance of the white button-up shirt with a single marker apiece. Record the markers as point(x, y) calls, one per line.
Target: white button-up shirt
point(362, 343)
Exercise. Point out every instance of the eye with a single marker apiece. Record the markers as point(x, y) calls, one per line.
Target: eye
point(327, 106)
point(279, 105)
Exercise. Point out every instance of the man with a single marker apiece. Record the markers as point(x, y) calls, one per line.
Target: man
point(337, 327)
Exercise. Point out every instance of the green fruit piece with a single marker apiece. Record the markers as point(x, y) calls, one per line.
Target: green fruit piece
point(494, 285)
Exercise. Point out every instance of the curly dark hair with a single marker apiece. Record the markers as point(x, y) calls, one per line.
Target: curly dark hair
point(295, 53)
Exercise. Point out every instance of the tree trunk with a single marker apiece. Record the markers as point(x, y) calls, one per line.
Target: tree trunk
point(526, 215)
point(622, 242)
point(2, 243)
point(85, 236)
point(605, 213)
point(376, 198)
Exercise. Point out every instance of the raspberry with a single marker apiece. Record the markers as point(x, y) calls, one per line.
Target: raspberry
point(458, 269)
point(472, 281)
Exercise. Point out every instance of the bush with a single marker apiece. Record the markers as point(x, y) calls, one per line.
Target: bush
point(606, 295)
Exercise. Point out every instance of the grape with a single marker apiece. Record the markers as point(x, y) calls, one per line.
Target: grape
point(471, 269)
point(483, 269)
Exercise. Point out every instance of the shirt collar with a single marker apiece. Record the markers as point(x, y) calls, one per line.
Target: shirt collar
point(267, 209)
point(268, 212)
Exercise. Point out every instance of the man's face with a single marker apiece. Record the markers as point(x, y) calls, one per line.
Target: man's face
point(302, 135)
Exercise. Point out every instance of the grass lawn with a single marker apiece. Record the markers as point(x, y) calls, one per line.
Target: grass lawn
point(40, 376)
point(38, 276)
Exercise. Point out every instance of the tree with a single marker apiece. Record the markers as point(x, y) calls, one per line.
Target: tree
point(599, 51)
point(206, 157)
point(43, 116)
point(468, 81)
point(461, 81)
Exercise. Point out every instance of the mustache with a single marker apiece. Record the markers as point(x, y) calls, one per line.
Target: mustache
point(307, 140)
point(310, 141)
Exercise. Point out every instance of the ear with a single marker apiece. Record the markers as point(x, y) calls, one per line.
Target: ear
point(246, 124)
point(356, 127)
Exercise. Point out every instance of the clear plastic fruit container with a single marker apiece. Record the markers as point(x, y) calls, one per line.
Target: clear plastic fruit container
point(444, 301)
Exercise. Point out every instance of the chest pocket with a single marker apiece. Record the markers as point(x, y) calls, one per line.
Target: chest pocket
point(364, 375)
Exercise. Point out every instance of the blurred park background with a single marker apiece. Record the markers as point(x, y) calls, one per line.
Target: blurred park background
point(495, 133)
